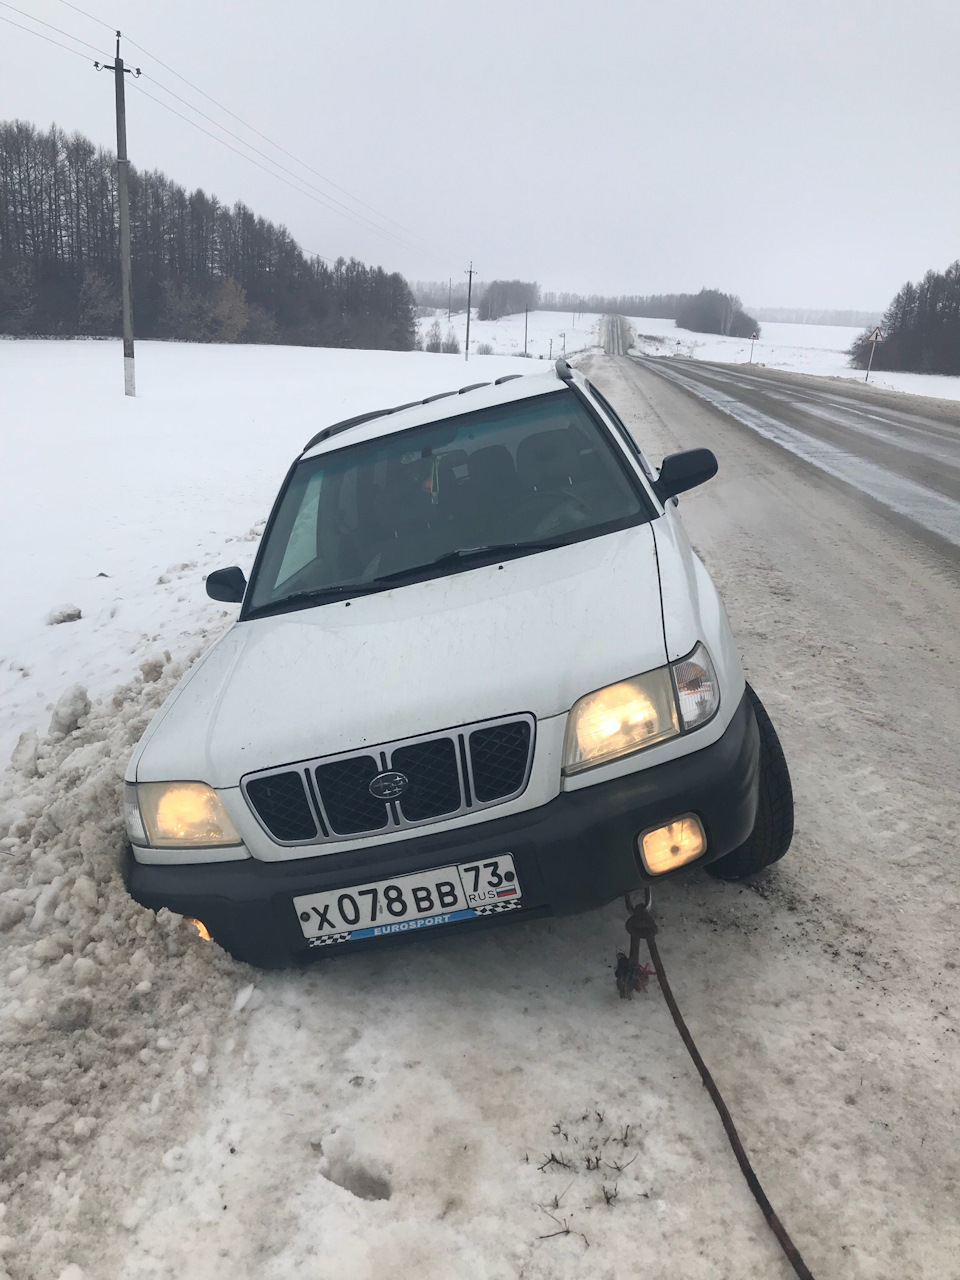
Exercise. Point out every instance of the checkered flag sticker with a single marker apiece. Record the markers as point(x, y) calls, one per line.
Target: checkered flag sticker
point(493, 907)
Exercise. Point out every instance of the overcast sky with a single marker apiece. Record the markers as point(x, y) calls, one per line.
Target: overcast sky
point(796, 152)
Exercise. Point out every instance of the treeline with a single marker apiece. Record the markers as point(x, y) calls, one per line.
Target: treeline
point(507, 298)
point(434, 294)
point(708, 311)
point(201, 271)
point(711, 311)
point(921, 328)
point(658, 305)
point(807, 315)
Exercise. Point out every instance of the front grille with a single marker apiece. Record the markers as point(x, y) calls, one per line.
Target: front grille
point(280, 799)
point(449, 773)
point(343, 787)
point(434, 789)
point(499, 759)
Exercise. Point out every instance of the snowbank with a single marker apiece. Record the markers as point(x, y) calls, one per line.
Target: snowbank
point(99, 1000)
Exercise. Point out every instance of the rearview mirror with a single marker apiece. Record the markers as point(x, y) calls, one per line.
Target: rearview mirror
point(682, 471)
point(226, 584)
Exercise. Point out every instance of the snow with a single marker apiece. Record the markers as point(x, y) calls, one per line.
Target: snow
point(817, 349)
point(546, 331)
point(482, 1106)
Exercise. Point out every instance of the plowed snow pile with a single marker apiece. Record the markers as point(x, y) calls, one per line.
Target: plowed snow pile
point(101, 1004)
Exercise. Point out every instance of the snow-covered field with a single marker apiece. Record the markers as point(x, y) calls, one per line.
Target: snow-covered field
point(481, 1108)
point(818, 349)
point(547, 331)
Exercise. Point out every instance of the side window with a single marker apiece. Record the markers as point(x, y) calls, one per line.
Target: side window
point(625, 433)
point(302, 547)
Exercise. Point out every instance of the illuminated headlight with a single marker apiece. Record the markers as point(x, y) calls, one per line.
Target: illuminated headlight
point(698, 693)
point(620, 719)
point(638, 712)
point(173, 815)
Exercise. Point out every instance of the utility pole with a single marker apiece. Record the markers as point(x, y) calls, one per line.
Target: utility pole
point(469, 274)
point(526, 312)
point(564, 337)
point(123, 193)
point(551, 349)
point(449, 298)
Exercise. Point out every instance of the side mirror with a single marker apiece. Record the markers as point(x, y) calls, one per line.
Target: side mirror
point(682, 471)
point(226, 584)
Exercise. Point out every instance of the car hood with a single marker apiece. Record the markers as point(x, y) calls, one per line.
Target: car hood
point(532, 634)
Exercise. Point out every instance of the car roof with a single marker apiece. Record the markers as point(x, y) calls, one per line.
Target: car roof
point(435, 408)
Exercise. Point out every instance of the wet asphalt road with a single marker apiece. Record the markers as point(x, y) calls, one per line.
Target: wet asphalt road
point(902, 452)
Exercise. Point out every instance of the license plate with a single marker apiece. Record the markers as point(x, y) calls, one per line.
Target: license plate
point(407, 903)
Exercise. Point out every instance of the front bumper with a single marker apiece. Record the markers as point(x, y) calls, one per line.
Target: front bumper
point(577, 852)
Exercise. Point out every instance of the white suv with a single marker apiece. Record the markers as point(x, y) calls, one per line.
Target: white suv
point(478, 673)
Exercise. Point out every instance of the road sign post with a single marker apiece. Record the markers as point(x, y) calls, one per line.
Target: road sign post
point(753, 337)
point(874, 338)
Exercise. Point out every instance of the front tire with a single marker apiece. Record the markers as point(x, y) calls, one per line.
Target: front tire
point(773, 828)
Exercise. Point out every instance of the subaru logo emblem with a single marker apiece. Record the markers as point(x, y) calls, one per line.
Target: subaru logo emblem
point(388, 786)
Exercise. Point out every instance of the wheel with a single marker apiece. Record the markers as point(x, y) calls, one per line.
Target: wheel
point(773, 828)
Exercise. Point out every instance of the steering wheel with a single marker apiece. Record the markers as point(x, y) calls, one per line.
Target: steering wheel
point(557, 500)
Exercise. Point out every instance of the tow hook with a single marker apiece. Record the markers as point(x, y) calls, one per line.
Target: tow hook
point(630, 973)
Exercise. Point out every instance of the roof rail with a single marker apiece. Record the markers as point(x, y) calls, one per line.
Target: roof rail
point(361, 418)
point(564, 371)
point(345, 425)
point(507, 377)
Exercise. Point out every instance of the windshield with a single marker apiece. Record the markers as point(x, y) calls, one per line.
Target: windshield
point(445, 496)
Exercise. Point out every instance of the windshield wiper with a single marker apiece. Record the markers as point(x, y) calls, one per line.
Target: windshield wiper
point(338, 590)
point(319, 595)
point(491, 551)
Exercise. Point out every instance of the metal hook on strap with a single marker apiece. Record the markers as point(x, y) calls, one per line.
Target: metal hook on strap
point(631, 975)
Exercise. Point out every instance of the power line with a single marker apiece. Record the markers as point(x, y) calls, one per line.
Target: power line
point(59, 30)
point(300, 190)
point(329, 201)
point(88, 15)
point(41, 36)
point(296, 159)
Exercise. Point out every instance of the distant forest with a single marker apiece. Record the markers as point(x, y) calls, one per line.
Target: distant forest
point(921, 328)
point(708, 311)
point(201, 271)
point(507, 298)
point(811, 315)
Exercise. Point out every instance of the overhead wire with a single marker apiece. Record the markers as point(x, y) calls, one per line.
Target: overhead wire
point(49, 39)
point(77, 9)
point(23, 14)
point(219, 105)
point(166, 106)
point(328, 200)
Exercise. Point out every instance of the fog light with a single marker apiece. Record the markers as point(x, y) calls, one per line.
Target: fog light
point(666, 848)
point(200, 927)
